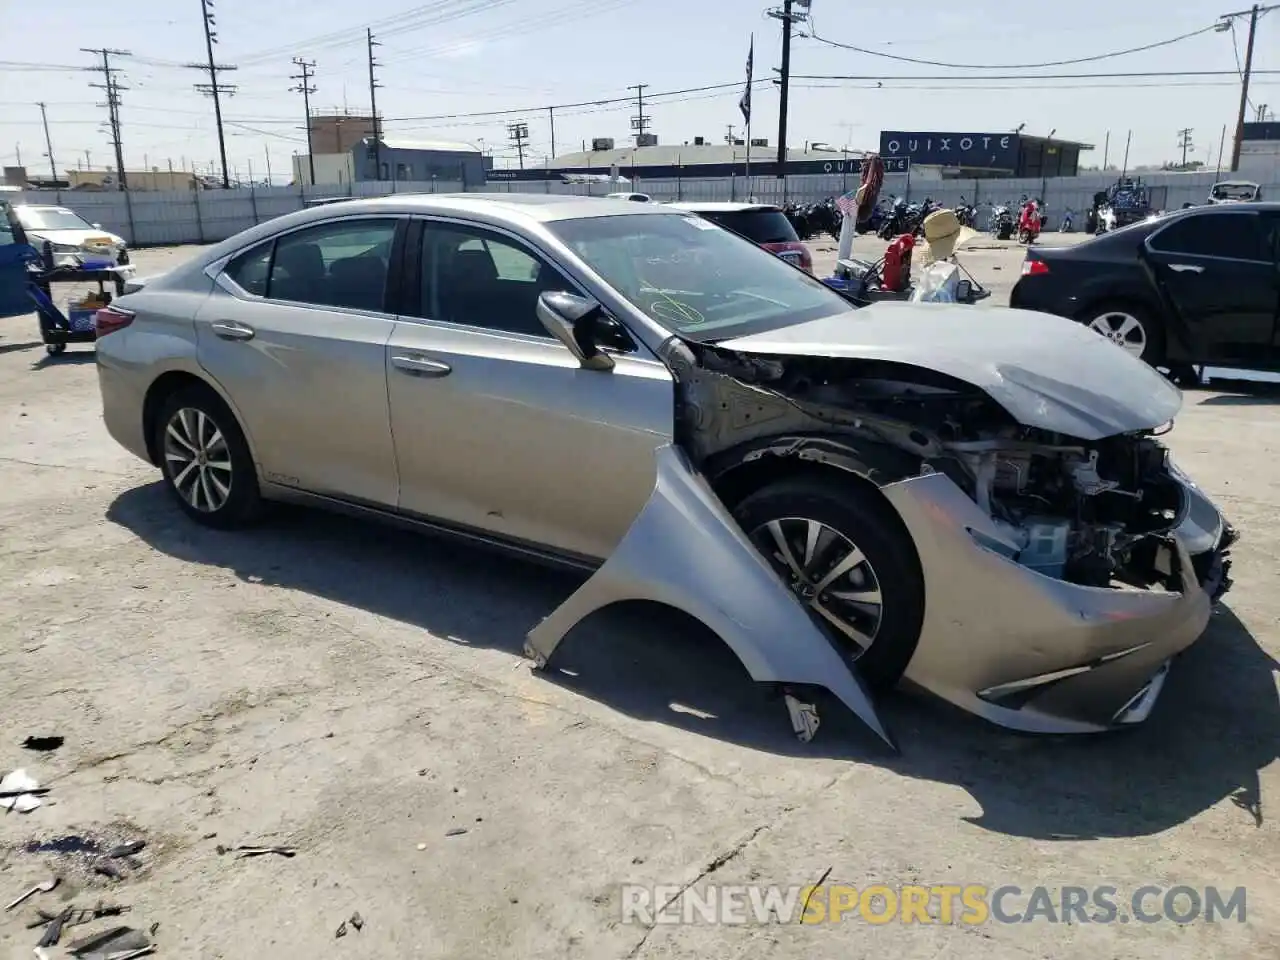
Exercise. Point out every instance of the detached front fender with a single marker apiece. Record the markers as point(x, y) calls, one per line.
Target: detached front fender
point(686, 551)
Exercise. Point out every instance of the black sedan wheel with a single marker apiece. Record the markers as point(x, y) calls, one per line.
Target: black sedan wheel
point(1129, 328)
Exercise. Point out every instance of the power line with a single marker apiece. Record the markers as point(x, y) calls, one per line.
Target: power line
point(518, 133)
point(373, 107)
point(640, 122)
point(1230, 19)
point(213, 89)
point(48, 142)
point(1011, 66)
point(1029, 76)
point(111, 86)
point(304, 87)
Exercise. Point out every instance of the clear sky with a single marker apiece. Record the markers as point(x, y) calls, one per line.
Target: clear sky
point(468, 56)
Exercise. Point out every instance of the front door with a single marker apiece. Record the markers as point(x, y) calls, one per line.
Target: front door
point(497, 427)
point(1220, 285)
point(295, 332)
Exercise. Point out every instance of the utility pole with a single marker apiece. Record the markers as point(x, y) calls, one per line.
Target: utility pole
point(551, 115)
point(213, 89)
point(640, 122)
point(729, 139)
point(373, 107)
point(305, 88)
point(1228, 19)
point(267, 150)
point(44, 118)
point(519, 135)
point(1184, 142)
point(788, 16)
point(111, 85)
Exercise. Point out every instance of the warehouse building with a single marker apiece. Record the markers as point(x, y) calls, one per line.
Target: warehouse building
point(395, 160)
point(980, 155)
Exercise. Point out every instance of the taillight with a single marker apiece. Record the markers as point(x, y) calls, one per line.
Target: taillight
point(110, 319)
point(1034, 268)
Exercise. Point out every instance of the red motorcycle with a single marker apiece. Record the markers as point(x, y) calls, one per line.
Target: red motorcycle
point(1029, 223)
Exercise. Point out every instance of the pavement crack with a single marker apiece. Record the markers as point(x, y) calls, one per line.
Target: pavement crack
point(712, 866)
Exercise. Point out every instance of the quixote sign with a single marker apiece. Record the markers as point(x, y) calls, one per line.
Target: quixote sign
point(988, 151)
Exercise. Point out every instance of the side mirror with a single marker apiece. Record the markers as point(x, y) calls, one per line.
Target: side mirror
point(964, 291)
point(582, 325)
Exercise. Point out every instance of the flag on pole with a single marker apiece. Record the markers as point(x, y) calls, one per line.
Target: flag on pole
point(745, 103)
point(847, 203)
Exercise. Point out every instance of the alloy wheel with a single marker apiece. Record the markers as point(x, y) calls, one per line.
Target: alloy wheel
point(1123, 329)
point(828, 574)
point(198, 459)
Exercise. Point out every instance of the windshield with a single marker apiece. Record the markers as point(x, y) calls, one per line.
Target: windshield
point(696, 279)
point(51, 218)
point(1234, 191)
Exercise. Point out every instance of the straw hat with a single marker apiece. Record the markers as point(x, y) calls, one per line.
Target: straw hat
point(943, 234)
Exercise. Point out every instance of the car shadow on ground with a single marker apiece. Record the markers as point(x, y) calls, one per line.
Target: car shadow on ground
point(72, 358)
point(19, 346)
point(1216, 726)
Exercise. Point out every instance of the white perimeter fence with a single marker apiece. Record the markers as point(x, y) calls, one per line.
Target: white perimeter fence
point(147, 218)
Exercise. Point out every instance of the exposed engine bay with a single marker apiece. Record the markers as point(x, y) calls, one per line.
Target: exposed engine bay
point(1094, 513)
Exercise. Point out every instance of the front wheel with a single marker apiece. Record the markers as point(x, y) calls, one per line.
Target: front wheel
point(1129, 327)
point(206, 461)
point(852, 567)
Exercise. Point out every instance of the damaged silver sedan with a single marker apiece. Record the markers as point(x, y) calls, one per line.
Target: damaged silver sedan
point(973, 500)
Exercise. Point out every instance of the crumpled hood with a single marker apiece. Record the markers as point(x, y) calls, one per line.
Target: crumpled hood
point(1046, 371)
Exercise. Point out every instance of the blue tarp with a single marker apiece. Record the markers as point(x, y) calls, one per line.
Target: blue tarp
point(14, 298)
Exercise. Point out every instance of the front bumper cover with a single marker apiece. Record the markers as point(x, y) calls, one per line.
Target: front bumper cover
point(1026, 651)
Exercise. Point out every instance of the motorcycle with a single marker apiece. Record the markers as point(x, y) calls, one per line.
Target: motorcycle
point(1029, 223)
point(1001, 224)
point(966, 213)
point(897, 220)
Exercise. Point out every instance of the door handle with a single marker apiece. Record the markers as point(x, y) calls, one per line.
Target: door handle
point(1186, 268)
point(230, 330)
point(422, 366)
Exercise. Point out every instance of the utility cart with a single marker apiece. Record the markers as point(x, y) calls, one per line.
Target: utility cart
point(77, 325)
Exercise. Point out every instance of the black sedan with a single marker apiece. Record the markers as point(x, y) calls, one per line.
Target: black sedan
point(1197, 286)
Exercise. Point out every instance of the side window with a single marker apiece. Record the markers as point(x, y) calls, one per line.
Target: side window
point(1231, 235)
point(481, 279)
point(339, 264)
point(249, 270)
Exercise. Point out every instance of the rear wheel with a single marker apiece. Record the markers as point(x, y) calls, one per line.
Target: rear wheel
point(1129, 327)
point(205, 459)
point(854, 569)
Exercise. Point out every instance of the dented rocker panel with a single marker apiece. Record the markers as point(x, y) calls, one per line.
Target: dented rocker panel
point(725, 583)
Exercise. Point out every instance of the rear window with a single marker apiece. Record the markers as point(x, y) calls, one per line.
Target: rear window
point(758, 226)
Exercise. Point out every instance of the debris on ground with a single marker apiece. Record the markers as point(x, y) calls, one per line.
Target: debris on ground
point(455, 831)
point(53, 932)
point(70, 844)
point(113, 941)
point(21, 792)
point(341, 931)
point(126, 849)
point(43, 887)
point(357, 921)
point(242, 852)
point(107, 869)
point(43, 744)
point(87, 915)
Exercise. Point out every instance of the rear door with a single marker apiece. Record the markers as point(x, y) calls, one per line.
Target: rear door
point(14, 255)
point(1219, 281)
point(295, 332)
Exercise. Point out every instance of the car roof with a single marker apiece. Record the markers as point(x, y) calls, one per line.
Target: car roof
point(722, 207)
point(42, 206)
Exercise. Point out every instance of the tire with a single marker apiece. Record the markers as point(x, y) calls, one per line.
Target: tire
point(55, 349)
point(220, 488)
point(1117, 321)
point(890, 564)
